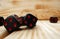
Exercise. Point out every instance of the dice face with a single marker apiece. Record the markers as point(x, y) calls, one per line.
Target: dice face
point(1, 21)
point(31, 25)
point(21, 20)
point(53, 19)
point(11, 24)
point(31, 20)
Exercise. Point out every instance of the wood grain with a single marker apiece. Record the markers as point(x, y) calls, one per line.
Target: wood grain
point(43, 30)
point(42, 9)
point(3, 32)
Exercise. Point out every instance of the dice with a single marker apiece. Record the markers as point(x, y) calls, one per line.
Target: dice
point(11, 23)
point(53, 19)
point(21, 20)
point(1, 21)
point(30, 21)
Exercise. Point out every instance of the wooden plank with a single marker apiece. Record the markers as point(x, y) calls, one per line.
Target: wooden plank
point(42, 9)
point(3, 32)
point(43, 30)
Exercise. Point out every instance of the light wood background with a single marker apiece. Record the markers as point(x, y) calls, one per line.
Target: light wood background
point(42, 9)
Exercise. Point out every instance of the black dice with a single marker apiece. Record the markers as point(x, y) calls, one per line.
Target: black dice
point(21, 20)
point(11, 23)
point(53, 19)
point(30, 20)
point(1, 21)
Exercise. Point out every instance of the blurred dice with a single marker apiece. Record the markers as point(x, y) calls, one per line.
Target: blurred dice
point(30, 20)
point(53, 19)
point(1, 21)
point(11, 23)
point(21, 20)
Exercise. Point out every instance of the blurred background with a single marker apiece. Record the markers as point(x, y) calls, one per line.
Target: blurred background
point(43, 9)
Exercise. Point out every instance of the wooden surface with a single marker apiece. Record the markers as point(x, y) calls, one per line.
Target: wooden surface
point(3, 32)
point(42, 9)
point(43, 30)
